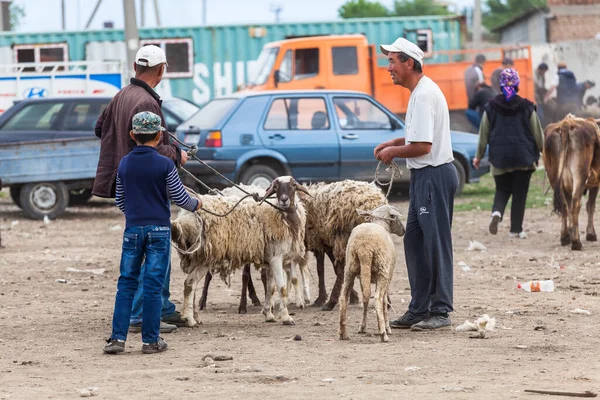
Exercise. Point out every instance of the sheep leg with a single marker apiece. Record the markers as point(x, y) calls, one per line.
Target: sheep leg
point(269, 291)
point(304, 274)
point(322, 298)
point(276, 264)
point(365, 284)
point(347, 287)
point(381, 310)
point(386, 313)
point(337, 287)
point(293, 278)
point(251, 290)
point(205, 291)
point(189, 287)
point(243, 299)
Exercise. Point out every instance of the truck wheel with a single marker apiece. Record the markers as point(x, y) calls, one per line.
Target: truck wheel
point(78, 197)
point(462, 176)
point(44, 199)
point(258, 175)
point(15, 195)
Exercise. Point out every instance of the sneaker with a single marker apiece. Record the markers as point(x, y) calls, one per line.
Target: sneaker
point(496, 218)
point(114, 346)
point(156, 347)
point(407, 320)
point(434, 321)
point(520, 235)
point(174, 319)
point(164, 328)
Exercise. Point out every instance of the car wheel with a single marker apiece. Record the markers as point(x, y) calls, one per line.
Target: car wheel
point(258, 175)
point(78, 197)
point(462, 176)
point(15, 195)
point(44, 199)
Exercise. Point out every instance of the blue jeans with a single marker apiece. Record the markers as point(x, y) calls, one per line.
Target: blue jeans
point(168, 307)
point(153, 243)
point(474, 118)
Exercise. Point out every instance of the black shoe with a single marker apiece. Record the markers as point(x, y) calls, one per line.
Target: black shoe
point(114, 346)
point(407, 320)
point(434, 321)
point(136, 327)
point(156, 347)
point(174, 319)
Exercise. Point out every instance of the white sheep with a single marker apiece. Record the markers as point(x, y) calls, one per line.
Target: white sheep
point(251, 233)
point(372, 255)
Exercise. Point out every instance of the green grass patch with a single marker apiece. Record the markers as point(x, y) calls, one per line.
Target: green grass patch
point(480, 196)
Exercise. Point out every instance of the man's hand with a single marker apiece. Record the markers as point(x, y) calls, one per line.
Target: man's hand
point(476, 163)
point(379, 148)
point(184, 157)
point(386, 155)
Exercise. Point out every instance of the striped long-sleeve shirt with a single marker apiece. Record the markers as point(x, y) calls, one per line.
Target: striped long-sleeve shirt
point(145, 182)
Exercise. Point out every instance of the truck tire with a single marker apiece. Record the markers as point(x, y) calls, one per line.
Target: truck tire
point(259, 175)
point(79, 197)
point(44, 199)
point(462, 176)
point(15, 195)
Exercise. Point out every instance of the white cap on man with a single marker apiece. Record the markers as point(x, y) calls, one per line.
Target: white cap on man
point(151, 55)
point(402, 45)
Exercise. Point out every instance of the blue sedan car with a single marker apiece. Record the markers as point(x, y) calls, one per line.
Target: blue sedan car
point(320, 135)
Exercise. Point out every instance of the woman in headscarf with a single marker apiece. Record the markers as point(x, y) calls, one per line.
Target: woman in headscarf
point(512, 129)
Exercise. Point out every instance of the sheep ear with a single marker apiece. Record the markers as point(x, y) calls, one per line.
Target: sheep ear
point(395, 212)
point(270, 190)
point(363, 213)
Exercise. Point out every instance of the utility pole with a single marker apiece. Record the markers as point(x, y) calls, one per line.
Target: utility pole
point(203, 12)
point(87, 26)
point(157, 12)
point(62, 8)
point(132, 41)
point(276, 9)
point(143, 13)
point(477, 24)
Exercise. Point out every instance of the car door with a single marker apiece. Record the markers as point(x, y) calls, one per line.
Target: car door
point(80, 118)
point(362, 125)
point(34, 121)
point(299, 127)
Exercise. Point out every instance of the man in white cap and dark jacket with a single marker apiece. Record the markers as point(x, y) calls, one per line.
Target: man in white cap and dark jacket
point(113, 127)
point(428, 152)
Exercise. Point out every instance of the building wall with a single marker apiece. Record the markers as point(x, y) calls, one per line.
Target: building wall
point(530, 30)
point(574, 19)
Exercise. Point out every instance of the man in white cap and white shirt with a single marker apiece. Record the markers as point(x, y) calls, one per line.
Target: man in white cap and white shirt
point(113, 127)
point(428, 152)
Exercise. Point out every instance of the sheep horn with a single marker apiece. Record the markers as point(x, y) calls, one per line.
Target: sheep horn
point(302, 188)
point(268, 192)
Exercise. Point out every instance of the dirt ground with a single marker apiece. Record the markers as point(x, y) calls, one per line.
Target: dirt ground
point(52, 333)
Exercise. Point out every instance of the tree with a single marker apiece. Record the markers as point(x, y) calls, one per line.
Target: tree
point(406, 8)
point(363, 9)
point(501, 11)
point(16, 14)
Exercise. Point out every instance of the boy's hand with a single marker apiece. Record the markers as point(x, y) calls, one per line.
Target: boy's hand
point(199, 205)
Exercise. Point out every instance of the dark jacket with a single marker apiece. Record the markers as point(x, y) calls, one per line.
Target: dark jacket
point(511, 142)
point(483, 95)
point(113, 127)
point(566, 91)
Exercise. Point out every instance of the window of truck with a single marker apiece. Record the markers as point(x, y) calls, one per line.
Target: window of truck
point(285, 69)
point(306, 63)
point(264, 64)
point(308, 113)
point(37, 53)
point(360, 113)
point(180, 56)
point(345, 60)
point(34, 117)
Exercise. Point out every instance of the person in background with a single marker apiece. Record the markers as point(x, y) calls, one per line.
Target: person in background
point(581, 89)
point(145, 182)
point(539, 85)
point(506, 63)
point(113, 127)
point(565, 84)
point(512, 129)
point(474, 75)
point(475, 110)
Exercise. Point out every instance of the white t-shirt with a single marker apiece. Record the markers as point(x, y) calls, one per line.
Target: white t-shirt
point(428, 120)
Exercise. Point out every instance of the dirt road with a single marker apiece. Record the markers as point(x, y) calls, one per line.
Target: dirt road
point(52, 333)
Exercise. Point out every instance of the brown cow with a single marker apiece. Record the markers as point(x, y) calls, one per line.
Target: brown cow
point(572, 162)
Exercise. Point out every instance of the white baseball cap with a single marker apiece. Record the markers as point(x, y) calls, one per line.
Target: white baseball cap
point(402, 45)
point(151, 55)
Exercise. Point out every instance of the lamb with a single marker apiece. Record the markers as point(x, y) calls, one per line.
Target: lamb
point(331, 216)
point(372, 255)
point(251, 233)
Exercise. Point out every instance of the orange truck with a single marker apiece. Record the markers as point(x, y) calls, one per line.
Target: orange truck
point(349, 62)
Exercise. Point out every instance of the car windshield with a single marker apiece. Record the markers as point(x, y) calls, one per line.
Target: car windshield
point(264, 64)
point(211, 113)
point(181, 108)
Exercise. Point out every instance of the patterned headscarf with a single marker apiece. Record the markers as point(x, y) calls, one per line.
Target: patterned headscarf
point(509, 82)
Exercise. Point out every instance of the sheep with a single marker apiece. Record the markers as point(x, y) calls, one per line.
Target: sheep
point(251, 233)
point(247, 286)
point(331, 216)
point(372, 255)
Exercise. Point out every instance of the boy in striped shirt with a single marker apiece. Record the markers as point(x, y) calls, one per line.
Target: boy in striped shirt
point(145, 182)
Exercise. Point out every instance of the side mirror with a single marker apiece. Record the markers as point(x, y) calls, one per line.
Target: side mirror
point(276, 77)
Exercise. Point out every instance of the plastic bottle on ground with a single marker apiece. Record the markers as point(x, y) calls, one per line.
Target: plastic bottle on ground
point(537, 286)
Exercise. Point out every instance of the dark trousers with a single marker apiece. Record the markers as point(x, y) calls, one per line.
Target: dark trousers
point(428, 239)
point(514, 183)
